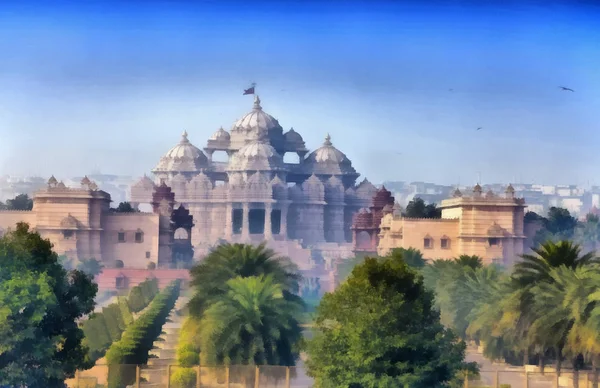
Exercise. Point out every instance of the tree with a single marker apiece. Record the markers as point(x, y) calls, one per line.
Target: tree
point(558, 225)
point(418, 209)
point(411, 256)
point(20, 202)
point(125, 207)
point(91, 266)
point(40, 305)
point(588, 232)
point(532, 271)
point(380, 328)
point(251, 324)
point(228, 261)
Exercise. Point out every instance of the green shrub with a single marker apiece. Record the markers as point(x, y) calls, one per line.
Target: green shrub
point(114, 321)
point(183, 378)
point(188, 358)
point(125, 312)
point(137, 340)
point(97, 338)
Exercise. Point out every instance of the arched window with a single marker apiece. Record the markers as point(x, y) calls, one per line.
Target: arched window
point(428, 242)
point(181, 234)
point(445, 242)
point(139, 236)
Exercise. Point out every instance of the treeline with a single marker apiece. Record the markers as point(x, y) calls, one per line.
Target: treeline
point(545, 310)
point(102, 329)
point(137, 340)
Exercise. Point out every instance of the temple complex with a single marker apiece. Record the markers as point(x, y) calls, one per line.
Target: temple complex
point(488, 225)
point(237, 189)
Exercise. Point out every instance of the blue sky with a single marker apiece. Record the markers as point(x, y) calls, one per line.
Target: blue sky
point(110, 86)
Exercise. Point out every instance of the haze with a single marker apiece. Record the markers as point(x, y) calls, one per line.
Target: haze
point(110, 87)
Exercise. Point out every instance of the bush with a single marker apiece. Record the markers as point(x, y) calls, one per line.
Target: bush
point(125, 312)
point(114, 321)
point(97, 338)
point(141, 295)
point(183, 378)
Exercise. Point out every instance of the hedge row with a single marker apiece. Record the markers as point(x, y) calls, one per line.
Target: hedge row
point(102, 329)
point(142, 294)
point(135, 343)
point(188, 355)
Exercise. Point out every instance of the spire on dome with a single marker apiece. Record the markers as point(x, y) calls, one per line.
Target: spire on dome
point(184, 137)
point(257, 103)
point(327, 140)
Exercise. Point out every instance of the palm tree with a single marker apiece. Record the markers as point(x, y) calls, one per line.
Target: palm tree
point(411, 256)
point(252, 323)
point(228, 261)
point(533, 271)
point(566, 309)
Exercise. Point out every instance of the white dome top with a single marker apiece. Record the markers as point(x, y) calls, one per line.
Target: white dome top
point(256, 120)
point(292, 136)
point(220, 135)
point(329, 160)
point(184, 157)
point(257, 155)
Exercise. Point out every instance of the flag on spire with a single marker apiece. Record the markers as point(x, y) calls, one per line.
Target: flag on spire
point(250, 90)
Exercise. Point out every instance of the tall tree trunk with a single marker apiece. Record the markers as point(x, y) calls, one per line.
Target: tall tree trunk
point(575, 373)
point(594, 373)
point(526, 358)
point(558, 361)
point(541, 363)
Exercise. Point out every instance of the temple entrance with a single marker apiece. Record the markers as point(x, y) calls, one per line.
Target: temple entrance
point(256, 218)
point(237, 218)
point(276, 221)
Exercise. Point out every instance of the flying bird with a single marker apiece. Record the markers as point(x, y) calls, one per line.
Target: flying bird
point(479, 128)
point(565, 89)
point(450, 90)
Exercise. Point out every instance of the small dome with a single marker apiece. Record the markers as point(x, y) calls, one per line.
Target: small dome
point(510, 189)
point(220, 135)
point(363, 219)
point(457, 193)
point(256, 120)
point(382, 198)
point(257, 155)
point(145, 182)
point(490, 194)
point(85, 181)
point(292, 136)
point(329, 160)
point(184, 157)
point(52, 181)
point(477, 189)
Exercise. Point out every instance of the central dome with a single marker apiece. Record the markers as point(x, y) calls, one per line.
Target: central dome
point(256, 120)
point(184, 157)
point(257, 155)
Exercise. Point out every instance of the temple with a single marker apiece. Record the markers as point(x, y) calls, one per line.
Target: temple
point(240, 189)
point(490, 226)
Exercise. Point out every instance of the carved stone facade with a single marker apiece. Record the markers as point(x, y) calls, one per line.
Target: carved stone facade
point(256, 196)
point(489, 226)
point(80, 225)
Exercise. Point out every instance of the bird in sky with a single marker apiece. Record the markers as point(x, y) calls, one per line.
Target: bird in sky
point(479, 128)
point(565, 89)
point(450, 90)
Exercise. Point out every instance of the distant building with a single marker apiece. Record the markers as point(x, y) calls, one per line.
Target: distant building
point(80, 225)
point(486, 225)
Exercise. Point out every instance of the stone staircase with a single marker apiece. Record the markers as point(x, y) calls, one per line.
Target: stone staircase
point(165, 349)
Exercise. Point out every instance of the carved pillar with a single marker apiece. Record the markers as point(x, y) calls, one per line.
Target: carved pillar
point(283, 222)
point(209, 154)
point(228, 222)
point(268, 227)
point(245, 221)
point(373, 240)
point(354, 242)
